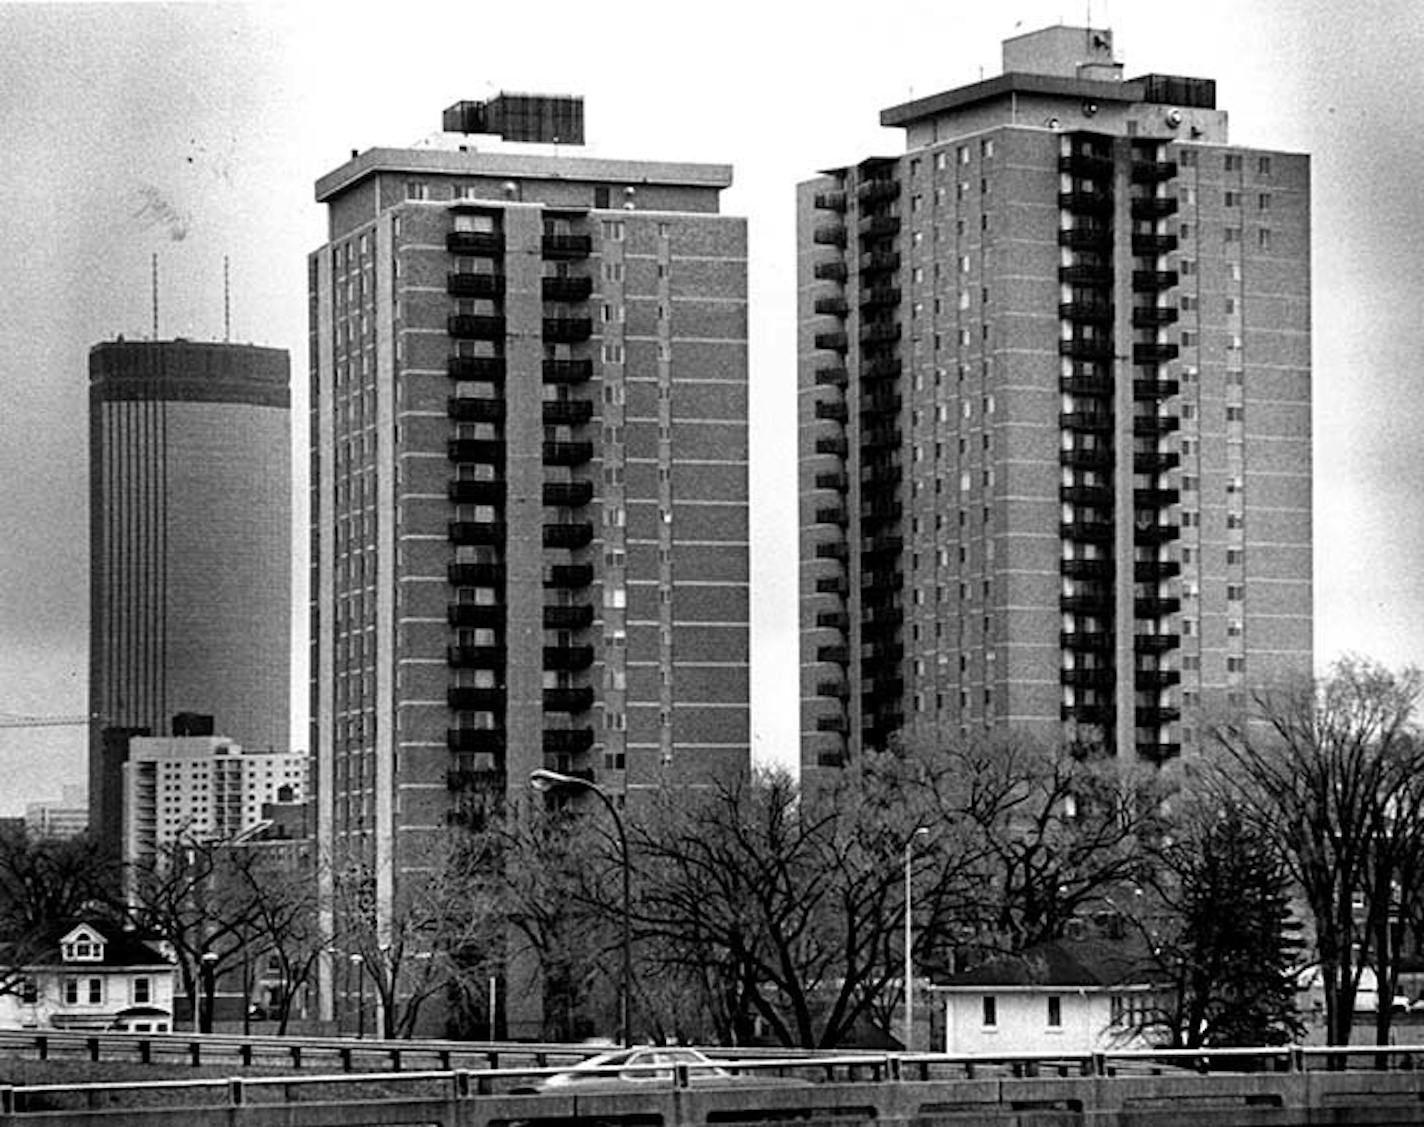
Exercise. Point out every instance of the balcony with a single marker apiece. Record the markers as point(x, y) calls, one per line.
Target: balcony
point(1086, 383)
point(568, 699)
point(878, 297)
point(483, 450)
point(1086, 348)
point(484, 244)
point(475, 574)
point(1095, 496)
point(566, 247)
point(567, 741)
point(567, 371)
point(464, 698)
point(465, 284)
point(1148, 680)
point(1156, 498)
point(1153, 352)
point(833, 620)
point(568, 657)
point(831, 271)
point(836, 341)
point(569, 576)
point(836, 446)
point(881, 437)
point(1087, 569)
point(833, 655)
point(1156, 606)
point(573, 535)
point(1086, 457)
point(1095, 602)
point(1158, 753)
point(1154, 316)
point(568, 494)
point(1156, 643)
point(831, 306)
point(1153, 172)
point(1148, 425)
point(567, 453)
point(832, 724)
point(1087, 529)
point(1101, 714)
point(1149, 246)
point(1154, 571)
point(475, 614)
point(1086, 640)
point(883, 544)
point(881, 476)
point(832, 550)
point(831, 412)
point(1153, 207)
point(876, 226)
point(1153, 281)
point(835, 481)
point(1084, 274)
point(1090, 311)
point(562, 616)
point(475, 326)
point(833, 690)
point(1086, 238)
point(881, 368)
point(1155, 716)
point(465, 409)
point(832, 585)
point(489, 368)
point(464, 491)
point(881, 403)
point(567, 412)
point(829, 201)
point(1155, 461)
point(475, 657)
point(1086, 166)
point(566, 288)
point(879, 190)
point(829, 235)
point(1093, 421)
point(489, 740)
point(567, 330)
point(476, 531)
point(879, 332)
point(832, 376)
point(1155, 535)
point(1088, 678)
point(879, 261)
point(1155, 388)
point(1086, 203)
point(833, 514)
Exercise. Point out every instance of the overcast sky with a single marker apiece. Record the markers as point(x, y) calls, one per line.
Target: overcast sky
point(196, 132)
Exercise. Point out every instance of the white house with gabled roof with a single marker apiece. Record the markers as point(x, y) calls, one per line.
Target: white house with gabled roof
point(89, 976)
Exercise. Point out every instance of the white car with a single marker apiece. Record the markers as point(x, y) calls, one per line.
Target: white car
point(651, 1066)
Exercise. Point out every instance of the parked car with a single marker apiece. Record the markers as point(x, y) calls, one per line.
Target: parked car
point(651, 1066)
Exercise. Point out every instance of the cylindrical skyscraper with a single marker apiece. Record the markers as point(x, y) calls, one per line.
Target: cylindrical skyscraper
point(189, 547)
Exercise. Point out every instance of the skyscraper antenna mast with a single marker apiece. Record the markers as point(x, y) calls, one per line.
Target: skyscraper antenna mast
point(227, 304)
point(155, 295)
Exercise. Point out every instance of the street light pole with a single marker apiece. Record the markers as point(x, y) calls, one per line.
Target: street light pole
point(909, 940)
point(356, 961)
point(208, 984)
point(546, 780)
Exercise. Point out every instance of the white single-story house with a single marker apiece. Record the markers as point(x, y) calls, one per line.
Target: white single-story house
point(1069, 996)
point(93, 976)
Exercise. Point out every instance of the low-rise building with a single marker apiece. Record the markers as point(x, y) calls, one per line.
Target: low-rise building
point(1071, 996)
point(85, 975)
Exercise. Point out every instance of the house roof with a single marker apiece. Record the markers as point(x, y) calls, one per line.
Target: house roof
point(121, 948)
point(1076, 964)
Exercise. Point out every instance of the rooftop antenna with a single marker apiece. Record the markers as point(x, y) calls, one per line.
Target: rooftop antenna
point(155, 295)
point(227, 305)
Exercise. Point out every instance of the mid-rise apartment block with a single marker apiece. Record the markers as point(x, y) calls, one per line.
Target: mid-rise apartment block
point(200, 788)
point(1054, 416)
point(189, 548)
point(529, 486)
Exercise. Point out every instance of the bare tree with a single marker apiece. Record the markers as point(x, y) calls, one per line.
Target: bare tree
point(1331, 770)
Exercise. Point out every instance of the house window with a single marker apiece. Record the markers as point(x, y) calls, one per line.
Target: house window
point(96, 991)
point(70, 988)
point(991, 1005)
point(1055, 1012)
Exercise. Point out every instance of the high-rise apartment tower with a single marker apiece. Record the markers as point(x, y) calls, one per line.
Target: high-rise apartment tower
point(529, 508)
point(1054, 415)
point(189, 549)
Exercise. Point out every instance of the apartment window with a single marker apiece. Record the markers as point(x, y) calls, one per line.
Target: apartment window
point(1232, 234)
point(1186, 231)
point(1187, 267)
point(1233, 162)
point(614, 230)
point(613, 354)
point(1188, 303)
point(1232, 199)
point(942, 160)
point(1263, 238)
point(417, 190)
point(1230, 306)
point(613, 271)
point(1055, 1012)
point(1188, 158)
point(664, 230)
point(1189, 339)
point(1235, 414)
point(991, 1004)
point(1263, 166)
point(963, 154)
point(1235, 556)
point(1263, 202)
point(1236, 665)
point(1235, 592)
point(986, 147)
